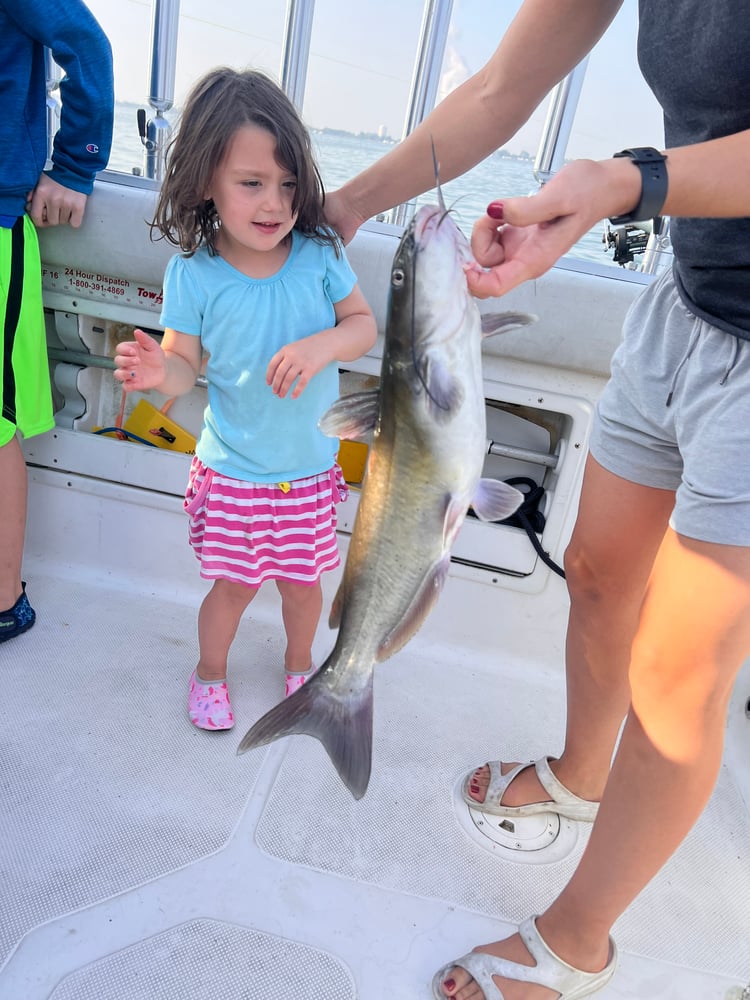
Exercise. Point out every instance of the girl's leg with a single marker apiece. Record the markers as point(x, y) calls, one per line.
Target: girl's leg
point(618, 531)
point(218, 619)
point(693, 635)
point(301, 605)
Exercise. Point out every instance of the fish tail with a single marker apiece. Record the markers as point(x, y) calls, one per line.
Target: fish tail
point(342, 724)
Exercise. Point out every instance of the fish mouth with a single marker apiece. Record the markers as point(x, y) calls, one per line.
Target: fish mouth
point(433, 222)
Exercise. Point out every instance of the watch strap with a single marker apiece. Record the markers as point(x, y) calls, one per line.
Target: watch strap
point(654, 184)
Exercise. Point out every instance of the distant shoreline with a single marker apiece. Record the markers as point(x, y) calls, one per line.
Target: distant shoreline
point(339, 133)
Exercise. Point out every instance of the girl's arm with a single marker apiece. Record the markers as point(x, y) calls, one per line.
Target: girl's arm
point(544, 43)
point(353, 335)
point(706, 180)
point(170, 368)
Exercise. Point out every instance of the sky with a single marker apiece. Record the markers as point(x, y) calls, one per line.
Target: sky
point(361, 58)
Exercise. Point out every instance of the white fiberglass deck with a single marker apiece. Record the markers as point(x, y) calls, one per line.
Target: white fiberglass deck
point(140, 858)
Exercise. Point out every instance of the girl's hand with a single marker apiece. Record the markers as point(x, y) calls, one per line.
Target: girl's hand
point(140, 363)
point(295, 364)
point(523, 237)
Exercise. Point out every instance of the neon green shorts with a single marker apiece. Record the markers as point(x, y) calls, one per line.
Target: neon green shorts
point(24, 370)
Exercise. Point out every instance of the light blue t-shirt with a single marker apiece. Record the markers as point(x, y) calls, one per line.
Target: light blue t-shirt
point(248, 432)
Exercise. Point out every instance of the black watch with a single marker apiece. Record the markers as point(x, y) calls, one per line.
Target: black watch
point(652, 165)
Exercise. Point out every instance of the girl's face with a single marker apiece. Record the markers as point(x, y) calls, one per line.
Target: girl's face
point(253, 198)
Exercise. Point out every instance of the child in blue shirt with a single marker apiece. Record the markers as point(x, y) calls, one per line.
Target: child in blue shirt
point(263, 289)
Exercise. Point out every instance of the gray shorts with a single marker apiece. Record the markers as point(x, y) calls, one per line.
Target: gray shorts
point(676, 415)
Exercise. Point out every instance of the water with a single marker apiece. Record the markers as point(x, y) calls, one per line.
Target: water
point(341, 157)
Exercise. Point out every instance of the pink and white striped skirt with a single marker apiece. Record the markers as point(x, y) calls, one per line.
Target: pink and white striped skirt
point(253, 532)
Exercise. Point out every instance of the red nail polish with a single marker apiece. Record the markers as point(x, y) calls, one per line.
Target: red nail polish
point(449, 984)
point(495, 210)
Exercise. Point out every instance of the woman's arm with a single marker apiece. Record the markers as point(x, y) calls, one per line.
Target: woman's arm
point(528, 235)
point(544, 43)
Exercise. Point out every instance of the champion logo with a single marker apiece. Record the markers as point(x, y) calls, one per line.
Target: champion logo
point(92, 148)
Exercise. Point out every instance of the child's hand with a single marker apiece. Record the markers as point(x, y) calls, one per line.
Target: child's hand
point(140, 363)
point(296, 363)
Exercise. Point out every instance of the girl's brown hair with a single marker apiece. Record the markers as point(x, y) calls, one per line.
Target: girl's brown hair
point(221, 102)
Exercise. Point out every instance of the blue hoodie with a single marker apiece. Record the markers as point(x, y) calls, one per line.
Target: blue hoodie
point(83, 141)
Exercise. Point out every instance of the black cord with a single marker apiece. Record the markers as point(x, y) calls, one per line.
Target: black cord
point(530, 518)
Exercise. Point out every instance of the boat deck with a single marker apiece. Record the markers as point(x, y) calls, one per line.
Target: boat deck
point(142, 858)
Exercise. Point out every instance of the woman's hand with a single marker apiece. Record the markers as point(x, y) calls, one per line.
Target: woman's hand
point(141, 363)
point(342, 216)
point(521, 238)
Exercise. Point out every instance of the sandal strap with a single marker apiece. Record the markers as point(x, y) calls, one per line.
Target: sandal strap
point(549, 971)
point(561, 800)
point(575, 807)
point(499, 782)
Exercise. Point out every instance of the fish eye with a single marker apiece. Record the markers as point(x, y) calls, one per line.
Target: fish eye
point(397, 277)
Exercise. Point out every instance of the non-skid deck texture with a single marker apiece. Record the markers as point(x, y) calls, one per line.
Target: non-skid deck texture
point(104, 782)
point(206, 958)
point(106, 786)
point(403, 835)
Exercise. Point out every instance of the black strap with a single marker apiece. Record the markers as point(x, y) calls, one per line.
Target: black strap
point(530, 518)
point(12, 313)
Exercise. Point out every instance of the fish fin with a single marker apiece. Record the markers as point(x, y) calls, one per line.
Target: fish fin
point(343, 726)
point(493, 323)
point(352, 416)
point(334, 618)
point(444, 390)
point(420, 607)
point(494, 500)
point(455, 513)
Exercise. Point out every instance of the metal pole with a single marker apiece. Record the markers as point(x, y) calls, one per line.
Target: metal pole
point(658, 253)
point(560, 114)
point(426, 79)
point(155, 132)
point(53, 74)
point(296, 50)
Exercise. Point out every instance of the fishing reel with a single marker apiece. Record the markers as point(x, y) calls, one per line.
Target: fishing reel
point(627, 241)
point(650, 238)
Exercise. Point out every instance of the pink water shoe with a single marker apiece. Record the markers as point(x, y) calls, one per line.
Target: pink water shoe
point(208, 704)
point(294, 681)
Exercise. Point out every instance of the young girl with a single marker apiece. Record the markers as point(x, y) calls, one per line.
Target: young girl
point(263, 289)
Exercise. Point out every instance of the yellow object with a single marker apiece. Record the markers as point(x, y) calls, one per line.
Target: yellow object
point(352, 458)
point(154, 426)
point(285, 487)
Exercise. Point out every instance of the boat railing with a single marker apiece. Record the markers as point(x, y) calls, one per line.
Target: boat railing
point(436, 18)
point(295, 50)
point(155, 131)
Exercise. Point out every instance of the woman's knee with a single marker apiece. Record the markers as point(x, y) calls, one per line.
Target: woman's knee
point(589, 574)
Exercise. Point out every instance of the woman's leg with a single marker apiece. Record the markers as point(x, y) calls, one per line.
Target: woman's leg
point(693, 635)
point(301, 605)
point(218, 619)
point(618, 531)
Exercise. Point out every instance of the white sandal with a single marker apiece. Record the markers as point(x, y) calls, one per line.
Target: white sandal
point(561, 800)
point(550, 970)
